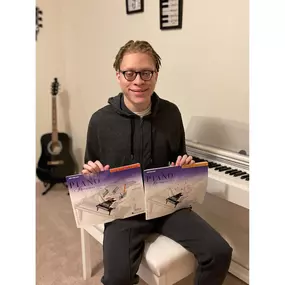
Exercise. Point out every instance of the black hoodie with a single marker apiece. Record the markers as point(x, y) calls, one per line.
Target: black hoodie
point(118, 137)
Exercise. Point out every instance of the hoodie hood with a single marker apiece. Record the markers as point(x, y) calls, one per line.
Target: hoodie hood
point(119, 106)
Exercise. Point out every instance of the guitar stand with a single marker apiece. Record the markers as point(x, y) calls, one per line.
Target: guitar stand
point(50, 185)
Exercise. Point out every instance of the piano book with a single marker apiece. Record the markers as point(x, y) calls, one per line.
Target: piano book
point(168, 189)
point(108, 195)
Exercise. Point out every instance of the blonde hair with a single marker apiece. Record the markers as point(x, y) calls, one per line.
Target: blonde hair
point(134, 47)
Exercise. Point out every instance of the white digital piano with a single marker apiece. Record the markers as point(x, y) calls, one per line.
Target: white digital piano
point(225, 145)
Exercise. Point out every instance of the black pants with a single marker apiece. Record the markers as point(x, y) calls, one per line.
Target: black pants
point(124, 244)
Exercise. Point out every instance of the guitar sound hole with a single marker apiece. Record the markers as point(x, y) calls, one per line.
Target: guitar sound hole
point(54, 148)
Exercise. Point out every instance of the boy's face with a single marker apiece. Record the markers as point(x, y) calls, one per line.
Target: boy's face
point(137, 92)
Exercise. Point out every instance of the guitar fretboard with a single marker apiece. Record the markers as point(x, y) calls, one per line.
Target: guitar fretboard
point(54, 120)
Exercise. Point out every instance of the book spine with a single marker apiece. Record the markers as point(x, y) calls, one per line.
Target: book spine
point(197, 164)
point(121, 168)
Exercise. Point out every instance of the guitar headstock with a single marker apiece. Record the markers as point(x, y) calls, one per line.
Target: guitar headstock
point(54, 87)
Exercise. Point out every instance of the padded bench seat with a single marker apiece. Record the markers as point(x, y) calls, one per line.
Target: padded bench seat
point(164, 262)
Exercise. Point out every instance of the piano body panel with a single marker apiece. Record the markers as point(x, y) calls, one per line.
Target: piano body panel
point(227, 192)
point(232, 222)
point(224, 143)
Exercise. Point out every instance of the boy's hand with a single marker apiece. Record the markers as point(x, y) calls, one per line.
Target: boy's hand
point(94, 167)
point(181, 160)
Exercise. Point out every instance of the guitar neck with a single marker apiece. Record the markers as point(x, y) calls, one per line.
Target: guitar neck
point(54, 120)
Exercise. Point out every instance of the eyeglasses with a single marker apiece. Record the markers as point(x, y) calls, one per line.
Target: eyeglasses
point(131, 75)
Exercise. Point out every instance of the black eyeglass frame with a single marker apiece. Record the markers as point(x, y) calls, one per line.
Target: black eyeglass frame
point(136, 73)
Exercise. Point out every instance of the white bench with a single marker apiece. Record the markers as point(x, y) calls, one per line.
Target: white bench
point(165, 262)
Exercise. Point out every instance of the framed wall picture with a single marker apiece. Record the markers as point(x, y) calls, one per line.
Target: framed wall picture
point(134, 6)
point(170, 14)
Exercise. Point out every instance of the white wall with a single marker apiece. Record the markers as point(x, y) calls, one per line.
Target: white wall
point(204, 65)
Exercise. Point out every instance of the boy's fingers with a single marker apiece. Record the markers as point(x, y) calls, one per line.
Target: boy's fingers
point(94, 167)
point(99, 164)
point(189, 159)
point(178, 160)
point(88, 168)
point(183, 160)
point(85, 171)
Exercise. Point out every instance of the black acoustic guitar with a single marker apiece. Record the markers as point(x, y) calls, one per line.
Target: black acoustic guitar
point(56, 160)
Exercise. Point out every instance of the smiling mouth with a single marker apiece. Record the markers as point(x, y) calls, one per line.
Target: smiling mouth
point(138, 91)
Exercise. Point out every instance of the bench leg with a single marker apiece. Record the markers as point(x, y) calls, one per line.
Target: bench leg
point(86, 254)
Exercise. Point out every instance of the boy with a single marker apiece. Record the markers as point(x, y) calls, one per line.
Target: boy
point(139, 126)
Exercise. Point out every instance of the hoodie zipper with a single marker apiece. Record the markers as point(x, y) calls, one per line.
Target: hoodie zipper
point(141, 154)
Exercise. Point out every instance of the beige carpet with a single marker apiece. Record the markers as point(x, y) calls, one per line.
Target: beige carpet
point(58, 260)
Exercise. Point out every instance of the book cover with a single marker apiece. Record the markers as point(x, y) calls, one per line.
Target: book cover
point(171, 188)
point(108, 195)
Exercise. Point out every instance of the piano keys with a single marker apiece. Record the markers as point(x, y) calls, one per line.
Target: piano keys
point(228, 168)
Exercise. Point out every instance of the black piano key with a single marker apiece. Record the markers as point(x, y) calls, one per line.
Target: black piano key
point(195, 158)
point(227, 168)
point(245, 176)
point(239, 173)
point(214, 165)
point(218, 164)
point(220, 167)
point(247, 179)
point(230, 171)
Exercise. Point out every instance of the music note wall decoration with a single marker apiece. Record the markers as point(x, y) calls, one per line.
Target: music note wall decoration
point(170, 14)
point(39, 19)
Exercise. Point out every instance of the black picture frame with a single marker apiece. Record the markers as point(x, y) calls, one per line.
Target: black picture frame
point(177, 18)
point(134, 6)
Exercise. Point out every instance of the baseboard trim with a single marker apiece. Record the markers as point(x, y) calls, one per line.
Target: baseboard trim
point(239, 271)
